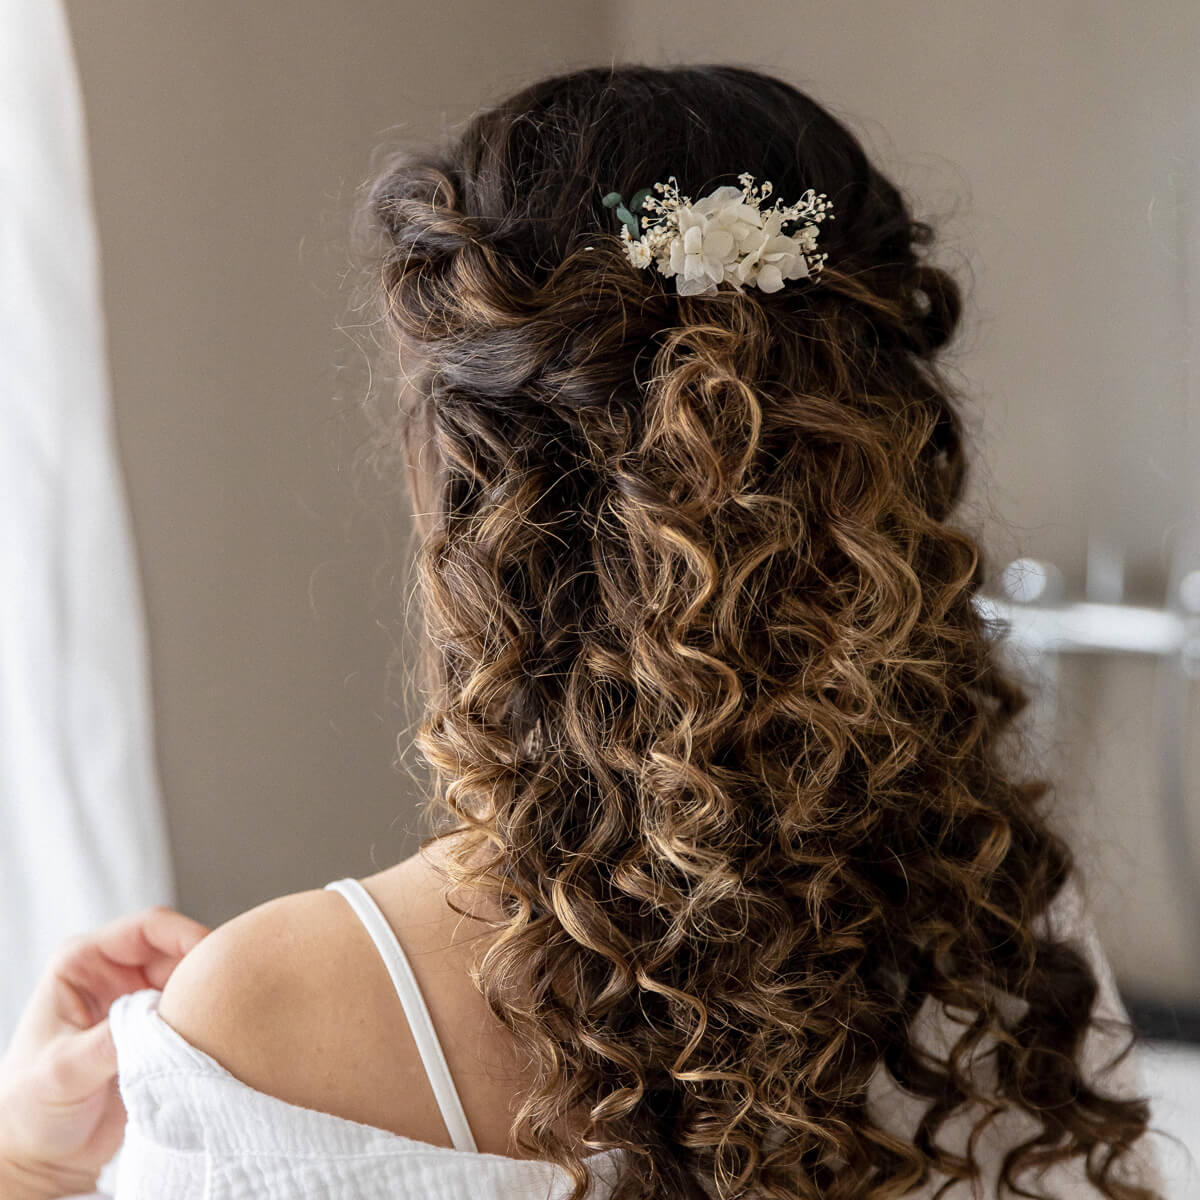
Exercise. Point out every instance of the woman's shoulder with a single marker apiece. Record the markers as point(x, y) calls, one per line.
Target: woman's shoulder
point(259, 979)
point(265, 979)
point(292, 999)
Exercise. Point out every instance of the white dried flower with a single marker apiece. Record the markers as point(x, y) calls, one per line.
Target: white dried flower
point(638, 251)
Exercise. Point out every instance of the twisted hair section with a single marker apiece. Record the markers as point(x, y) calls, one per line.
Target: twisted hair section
point(713, 715)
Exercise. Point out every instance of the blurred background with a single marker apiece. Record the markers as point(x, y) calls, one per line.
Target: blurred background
point(184, 180)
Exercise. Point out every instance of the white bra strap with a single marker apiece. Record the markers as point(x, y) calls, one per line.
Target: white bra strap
point(413, 1003)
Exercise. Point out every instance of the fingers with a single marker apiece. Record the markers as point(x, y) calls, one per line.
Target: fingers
point(81, 1064)
point(156, 932)
point(126, 954)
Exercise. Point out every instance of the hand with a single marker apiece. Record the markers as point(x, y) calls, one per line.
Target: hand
point(61, 1115)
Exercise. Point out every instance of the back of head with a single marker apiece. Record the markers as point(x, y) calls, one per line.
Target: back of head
point(712, 700)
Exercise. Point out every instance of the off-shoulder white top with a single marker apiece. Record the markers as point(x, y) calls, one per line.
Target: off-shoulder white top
point(195, 1132)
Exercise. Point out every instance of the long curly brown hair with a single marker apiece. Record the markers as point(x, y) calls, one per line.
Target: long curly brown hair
point(712, 714)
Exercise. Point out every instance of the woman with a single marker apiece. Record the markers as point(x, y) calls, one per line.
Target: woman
point(735, 888)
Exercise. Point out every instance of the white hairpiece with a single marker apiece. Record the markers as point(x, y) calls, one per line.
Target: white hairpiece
point(724, 237)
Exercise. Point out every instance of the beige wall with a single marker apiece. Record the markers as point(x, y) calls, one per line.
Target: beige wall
point(227, 139)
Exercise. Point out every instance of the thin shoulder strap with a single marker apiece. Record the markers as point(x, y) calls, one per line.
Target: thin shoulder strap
point(415, 1010)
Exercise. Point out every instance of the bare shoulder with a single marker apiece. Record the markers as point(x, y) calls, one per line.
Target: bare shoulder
point(264, 983)
point(294, 999)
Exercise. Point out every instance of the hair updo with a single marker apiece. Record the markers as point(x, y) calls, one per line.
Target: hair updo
point(712, 715)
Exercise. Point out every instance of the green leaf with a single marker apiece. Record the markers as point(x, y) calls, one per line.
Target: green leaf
point(611, 200)
point(630, 221)
point(639, 197)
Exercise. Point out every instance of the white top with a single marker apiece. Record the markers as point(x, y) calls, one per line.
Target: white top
point(195, 1132)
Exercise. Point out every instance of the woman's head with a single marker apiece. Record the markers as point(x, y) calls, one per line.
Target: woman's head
point(506, 264)
point(712, 703)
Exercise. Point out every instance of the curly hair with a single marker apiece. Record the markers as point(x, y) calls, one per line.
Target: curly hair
point(711, 712)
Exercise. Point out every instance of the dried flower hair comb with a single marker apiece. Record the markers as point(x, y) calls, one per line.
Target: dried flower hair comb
point(724, 237)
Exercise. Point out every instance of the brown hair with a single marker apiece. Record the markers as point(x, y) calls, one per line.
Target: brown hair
point(713, 711)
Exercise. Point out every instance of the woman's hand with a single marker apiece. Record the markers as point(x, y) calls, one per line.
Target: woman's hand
point(61, 1115)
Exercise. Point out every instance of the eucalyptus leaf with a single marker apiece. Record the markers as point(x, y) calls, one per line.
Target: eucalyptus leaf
point(639, 198)
point(611, 200)
point(630, 221)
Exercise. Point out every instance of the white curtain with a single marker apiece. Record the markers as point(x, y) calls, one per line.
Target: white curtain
point(82, 835)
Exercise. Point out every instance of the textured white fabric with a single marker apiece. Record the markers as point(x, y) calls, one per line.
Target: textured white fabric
point(82, 838)
point(195, 1132)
